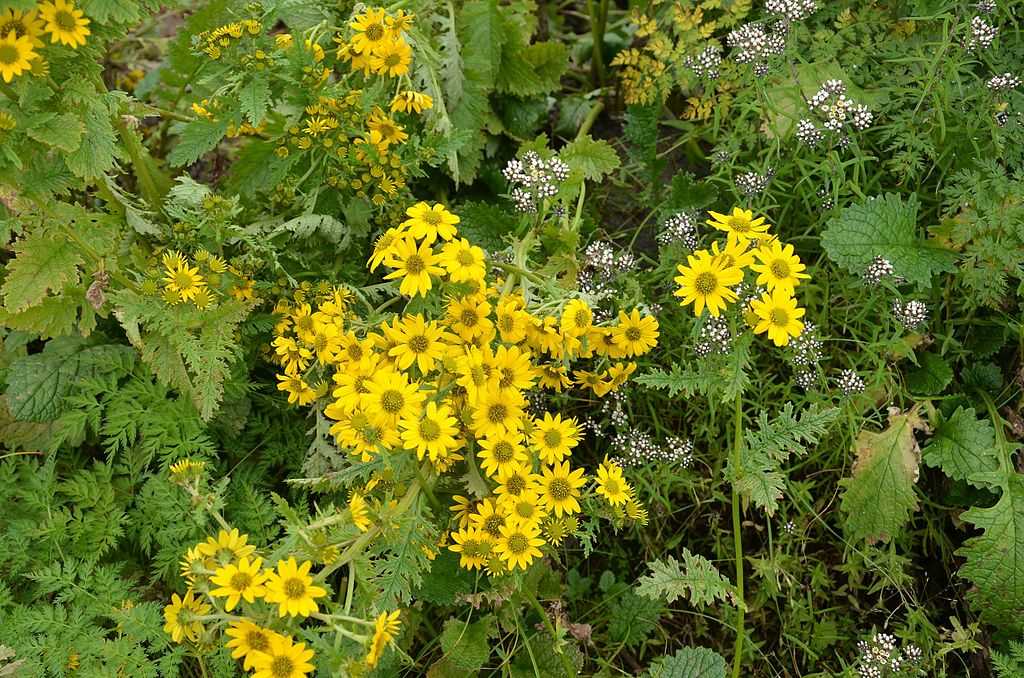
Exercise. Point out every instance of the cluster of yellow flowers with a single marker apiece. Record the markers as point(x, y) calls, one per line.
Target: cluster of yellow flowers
point(441, 387)
point(185, 282)
point(218, 39)
point(21, 34)
point(225, 573)
point(710, 276)
point(208, 108)
point(378, 43)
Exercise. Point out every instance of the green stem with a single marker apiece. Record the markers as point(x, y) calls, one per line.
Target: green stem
point(591, 118)
point(598, 18)
point(737, 537)
point(570, 670)
point(429, 491)
point(86, 249)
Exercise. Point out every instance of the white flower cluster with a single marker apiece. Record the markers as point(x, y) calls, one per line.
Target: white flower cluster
point(637, 448)
point(982, 34)
point(879, 269)
point(715, 338)
point(836, 112)
point(912, 315)
point(751, 184)
point(705, 64)
point(533, 179)
point(1003, 83)
point(849, 382)
point(601, 265)
point(882, 658)
point(753, 44)
point(792, 10)
point(679, 227)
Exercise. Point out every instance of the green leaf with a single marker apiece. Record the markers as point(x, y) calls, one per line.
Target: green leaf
point(591, 158)
point(931, 377)
point(962, 446)
point(689, 662)
point(695, 579)
point(62, 131)
point(104, 11)
point(677, 380)
point(42, 263)
point(633, 618)
point(93, 158)
point(254, 99)
point(445, 581)
point(879, 495)
point(482, 35)
point(885, 226)
point(197, 138)
point(995, 559)
point(308, 224)
point(467, 645)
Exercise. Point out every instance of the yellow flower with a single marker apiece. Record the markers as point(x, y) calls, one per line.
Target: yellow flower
point(463, 261)
point(741, 223)
point(518, 545)
point(243, 581)
point(778, 315)
point(385, 629)
point(419, 342)
point(187, 467)
point(554, 438)
point(16, 55)
point(461, 508)
point(362, 434)
point(247, 640)
point(611, 485)
point(182, 279)
point(298, 390)
point(512, 369)
point(23, 24)
point(228, 546)
point(284, 658)
point(468, 317)
point(594, 381)
point(780, 268)
point(390, 131)
point(400, 22)
point(559, 488)
point(735, 252)
point(473, 547)
point(64, 22)
point(473, 370)
point(428, 223)
point(370, 30)
point(524, 508)
point(514, 480)
point(411, 102)
point(636, 335)
point(706, 282)
point(382, 247)
point(414, 265)
point(499, 452)
point(498, 411)
point(180, 617)
point(358, 511)
point(390, 397)
point(577, 318)
point(292, 589)
point(554, 377)
point(489, 518)
point(432, 432)
point(392, 59)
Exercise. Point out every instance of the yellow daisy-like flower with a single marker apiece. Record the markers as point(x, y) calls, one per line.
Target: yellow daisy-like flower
point(16, 55)
point(392, 59)
point(390, 397)
point(554, 438)
point(525, 508)
point(611, 485)
point(432, 432)
point(735, 253)
point(243, 581)
point(385, 629)
point(515, 480)
point(247, 641)
point(182, 279)
point(635, 335)
point(370, 30)
point(489, 517)
point(292, 589)
point(462, 507)
point(577, 318)
point(554, 377)
point(778, 315)
point(518, 545)
point(779, 268)
point(180, 621)
point(284, 658)
point(473, 370)
point(382, 247)
point(64, 22)
point(468, 317)
point(560, 488)
point(390, 131)
point(513, 369)
point(227, 547)
point(411, 102)
point(464, 261)
point(473, 547)
point(364, 435)
point(299, 392)
point(418, 342)
point(358, 511)
point(400, 22)
point(497, 411)
point(706, 281)
point(414, 264)
point(499, 452)
point(23, 24)
point(428, 223)
point(741, 223)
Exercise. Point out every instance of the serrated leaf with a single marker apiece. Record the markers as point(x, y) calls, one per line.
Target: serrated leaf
point(885, 226)
point(931, 376)
point(962, 446)
point(689, 662)
point(995, 559)
point(308, 224)
point(695, 579)
point(879, 495)
point(62, 131)
point(445, 581)
point(677, 380)
point(254, 99)
point(196, 139)
point(42, 263)
point(482, 34)
point(591, 158)
point(467, 645)
point(96, 156)
point(104, 11)
point(633, 618)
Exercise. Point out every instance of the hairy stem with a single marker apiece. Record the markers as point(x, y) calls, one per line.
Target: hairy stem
point(737, 537)
point(570, 670)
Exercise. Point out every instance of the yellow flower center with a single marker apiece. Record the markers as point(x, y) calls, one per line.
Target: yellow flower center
point(374, 32)
point(518, 543)
point(415, 264)
point(392, 401)
point(705, 283)
point(430, 217)
point(294, 588)
point(16, 25)
point(282, 667)
point(430, 430)
point(633, 334)
point(257, 640)
point(779, 268)
point(582, 318)
point(559, 489)
point(240, 581)
point(552, 438)
point(65, 21)
point(612, 487)
point(354, 351)
point(739, 224)
point(515, 485)
point(468, 317)
point(9, 54)
point(503, 452)
point(419, 344)
point(497, 413)
point(493, 524)
point(779, 317)
point(508, 377)
point(465, 258)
